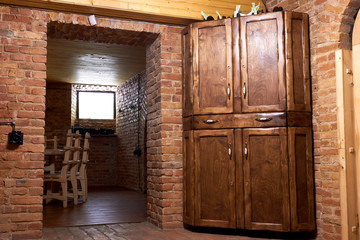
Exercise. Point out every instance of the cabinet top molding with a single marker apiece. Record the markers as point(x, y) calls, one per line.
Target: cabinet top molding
point(177, 12)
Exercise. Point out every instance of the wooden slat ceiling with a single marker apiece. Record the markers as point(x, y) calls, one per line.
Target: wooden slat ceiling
point(84, 62)
point(94, 55)
point(180, 12)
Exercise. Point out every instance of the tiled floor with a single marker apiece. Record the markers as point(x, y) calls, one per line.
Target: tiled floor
point(130, 231)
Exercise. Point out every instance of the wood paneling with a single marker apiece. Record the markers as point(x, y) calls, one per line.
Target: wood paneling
point(214, 178)
point(85, 62)
point(356, 100)
point(174, 12)
point(262, 63)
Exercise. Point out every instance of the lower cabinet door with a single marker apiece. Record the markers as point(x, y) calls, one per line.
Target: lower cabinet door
point(214, 178)
point(266, 184)
point(301, 179)
point(189, 168)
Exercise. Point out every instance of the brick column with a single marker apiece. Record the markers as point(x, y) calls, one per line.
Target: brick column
point(165, 130)
point(22, 100)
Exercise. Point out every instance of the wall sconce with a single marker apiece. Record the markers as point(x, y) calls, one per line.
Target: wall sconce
point(92, 20)
point(15, 137)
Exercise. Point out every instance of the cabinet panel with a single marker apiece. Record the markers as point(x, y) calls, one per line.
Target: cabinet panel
point(214, 178)
point(297, 61)
point(240, 214)
point(189, 172)
point(266, 181)
point(213, 85)
point(187, 72)
point(301, 179)
point(262, 63)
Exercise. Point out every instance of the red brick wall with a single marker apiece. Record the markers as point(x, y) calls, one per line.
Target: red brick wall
point(22, 99)
point(164, 132)
point(130, 131)
point(102, 166)
point(330, 25)
point(58, 111)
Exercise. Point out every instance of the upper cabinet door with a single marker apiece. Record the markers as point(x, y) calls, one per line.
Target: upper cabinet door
point(187, 83)
point(297, 61)
point(262, 63)
point(212, 65)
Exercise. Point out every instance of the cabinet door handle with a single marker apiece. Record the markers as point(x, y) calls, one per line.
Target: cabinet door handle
point(246, 151)
point(229, 150)
point(228, 91)
point(210, 121)
point(244, 90)
point(263, 119)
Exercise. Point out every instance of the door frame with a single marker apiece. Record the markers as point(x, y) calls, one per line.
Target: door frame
point(348, 114)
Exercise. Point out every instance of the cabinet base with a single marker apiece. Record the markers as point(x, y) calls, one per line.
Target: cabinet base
point(252, 233)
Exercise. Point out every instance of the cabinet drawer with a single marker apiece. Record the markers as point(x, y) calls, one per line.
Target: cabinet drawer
point(240, 120)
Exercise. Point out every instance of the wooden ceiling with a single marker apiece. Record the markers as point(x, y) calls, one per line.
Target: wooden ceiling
point(181, 12)
point(85, 62)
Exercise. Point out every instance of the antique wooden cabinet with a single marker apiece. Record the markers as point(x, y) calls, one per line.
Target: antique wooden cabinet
point(247, 123)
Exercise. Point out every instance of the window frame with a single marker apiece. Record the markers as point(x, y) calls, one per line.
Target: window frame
point(94, 91)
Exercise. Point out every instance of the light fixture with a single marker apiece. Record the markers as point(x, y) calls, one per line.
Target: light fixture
point(92, 20)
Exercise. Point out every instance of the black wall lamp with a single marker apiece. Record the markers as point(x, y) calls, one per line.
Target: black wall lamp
point(15, 137)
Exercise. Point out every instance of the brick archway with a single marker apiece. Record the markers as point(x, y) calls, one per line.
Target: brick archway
point(164, 121)
point(22, 99)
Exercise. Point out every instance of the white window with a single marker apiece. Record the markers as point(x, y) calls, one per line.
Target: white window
point(96, 105)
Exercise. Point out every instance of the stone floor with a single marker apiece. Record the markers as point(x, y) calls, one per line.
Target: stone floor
point(130, 231)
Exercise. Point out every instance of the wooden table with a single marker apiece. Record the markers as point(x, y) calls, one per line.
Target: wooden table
point(55, 153)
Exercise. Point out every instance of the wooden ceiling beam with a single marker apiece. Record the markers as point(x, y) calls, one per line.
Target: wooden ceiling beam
point(179, 12)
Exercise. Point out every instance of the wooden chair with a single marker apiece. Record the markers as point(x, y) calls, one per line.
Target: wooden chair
point(52, 140)
point(81, 175)
point(53, 147)
point(71, 158)
point(74, 168)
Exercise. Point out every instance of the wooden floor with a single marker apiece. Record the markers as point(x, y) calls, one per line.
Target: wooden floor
point(132, 231)
point(115, 213)
point(104, 206)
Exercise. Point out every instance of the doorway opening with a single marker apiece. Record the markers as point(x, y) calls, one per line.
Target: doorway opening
point(97, 59)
